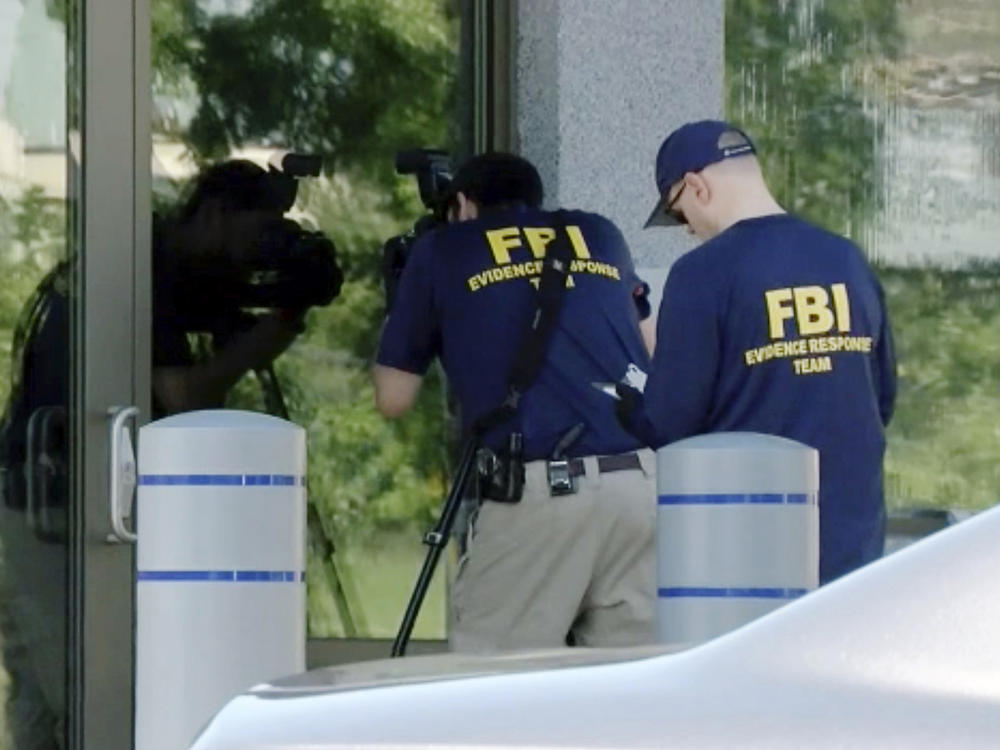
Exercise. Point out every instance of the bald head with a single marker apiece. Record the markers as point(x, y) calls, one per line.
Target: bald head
point(722, 194)
point(737, 169)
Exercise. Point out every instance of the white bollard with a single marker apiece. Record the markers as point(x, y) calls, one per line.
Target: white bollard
point(737, 531)
point(221, 566)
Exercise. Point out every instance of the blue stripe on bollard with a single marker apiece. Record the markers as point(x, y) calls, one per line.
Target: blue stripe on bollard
point(261, 575)
point(756, 498)
point(231, 576)
point(712, 592)
point(186, 575)
point(191, 480)
point(221, 480)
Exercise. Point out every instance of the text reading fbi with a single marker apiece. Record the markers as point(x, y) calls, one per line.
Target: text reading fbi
point(814, 315)
point(502, 241)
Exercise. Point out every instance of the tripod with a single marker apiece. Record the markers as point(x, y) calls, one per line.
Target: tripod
point(274, 402)
point(436, 539)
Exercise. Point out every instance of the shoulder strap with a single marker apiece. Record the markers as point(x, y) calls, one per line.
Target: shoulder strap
point(531, 354)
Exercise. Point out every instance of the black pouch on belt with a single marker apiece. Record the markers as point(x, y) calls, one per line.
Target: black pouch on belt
point(501, 474)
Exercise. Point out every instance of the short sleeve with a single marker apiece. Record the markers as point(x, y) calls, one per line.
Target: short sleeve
point(411, 335)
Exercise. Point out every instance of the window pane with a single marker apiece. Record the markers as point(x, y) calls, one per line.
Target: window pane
point(881, 120)
point(38, 269)
point(352, 81)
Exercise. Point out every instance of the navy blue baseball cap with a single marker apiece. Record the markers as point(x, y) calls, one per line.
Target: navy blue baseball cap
point(691, 148)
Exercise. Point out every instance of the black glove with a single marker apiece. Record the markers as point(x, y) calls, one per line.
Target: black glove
point(629, 403)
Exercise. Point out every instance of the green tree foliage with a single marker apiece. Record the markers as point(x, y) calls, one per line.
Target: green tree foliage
point(792, 79)
point(351, 80)
point(943, 440)
point(32, 240)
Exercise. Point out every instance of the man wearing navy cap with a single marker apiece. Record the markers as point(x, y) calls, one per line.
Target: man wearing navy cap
point(771, 325)
point(572, 556)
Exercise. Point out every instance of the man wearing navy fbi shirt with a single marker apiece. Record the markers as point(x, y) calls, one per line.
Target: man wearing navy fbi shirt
point(550, 566)
point(772, 325)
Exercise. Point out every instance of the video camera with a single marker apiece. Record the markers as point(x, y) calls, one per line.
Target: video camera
point(432, 168)
point(285, 267)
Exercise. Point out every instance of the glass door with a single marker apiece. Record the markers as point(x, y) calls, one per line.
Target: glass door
point(71, 254)
point(236, 83)
point(37, 252)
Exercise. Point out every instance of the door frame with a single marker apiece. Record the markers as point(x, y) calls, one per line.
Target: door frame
point(111, 54)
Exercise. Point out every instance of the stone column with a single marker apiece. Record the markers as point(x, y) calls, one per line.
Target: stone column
point(598, 85)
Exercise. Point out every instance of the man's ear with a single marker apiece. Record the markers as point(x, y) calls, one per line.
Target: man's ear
point(700, 186)
point(468, 209)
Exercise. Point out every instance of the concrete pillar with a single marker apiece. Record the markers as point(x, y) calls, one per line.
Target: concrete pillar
point(598, 85)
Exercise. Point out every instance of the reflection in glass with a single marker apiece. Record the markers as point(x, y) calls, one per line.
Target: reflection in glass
point(35, 302)
point(352, 81)
point(881, 120)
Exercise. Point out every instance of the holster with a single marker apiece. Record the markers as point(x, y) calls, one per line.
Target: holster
point(500, 474)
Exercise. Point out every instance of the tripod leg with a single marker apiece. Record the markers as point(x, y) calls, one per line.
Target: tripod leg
point(436, 539)
point(336, 581)
point(347, 617)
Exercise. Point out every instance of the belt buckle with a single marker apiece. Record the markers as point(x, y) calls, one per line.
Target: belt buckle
point(561, 482)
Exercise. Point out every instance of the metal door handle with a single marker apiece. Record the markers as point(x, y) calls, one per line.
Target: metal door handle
point(123, 472)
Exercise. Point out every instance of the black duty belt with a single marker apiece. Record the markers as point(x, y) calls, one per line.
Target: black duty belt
point(606, 464)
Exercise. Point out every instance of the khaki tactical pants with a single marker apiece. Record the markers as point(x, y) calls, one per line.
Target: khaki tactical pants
point(583, 564)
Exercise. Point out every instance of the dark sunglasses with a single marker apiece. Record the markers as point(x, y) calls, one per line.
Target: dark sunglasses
point(676, 214)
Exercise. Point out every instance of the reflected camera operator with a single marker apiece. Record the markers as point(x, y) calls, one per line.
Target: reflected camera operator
point(229, 264)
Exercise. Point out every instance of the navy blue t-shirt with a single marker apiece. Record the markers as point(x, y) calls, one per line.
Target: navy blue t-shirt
point(780, 327)
point(467, 295)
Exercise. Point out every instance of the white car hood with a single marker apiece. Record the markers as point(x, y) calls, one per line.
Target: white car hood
point(904, 653)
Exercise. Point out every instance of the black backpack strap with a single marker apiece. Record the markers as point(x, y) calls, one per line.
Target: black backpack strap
point(531, 354)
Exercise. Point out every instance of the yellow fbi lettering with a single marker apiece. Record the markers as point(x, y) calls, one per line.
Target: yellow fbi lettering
point(802, 347)
point(810, 365)
point(535, 239)
point(814, 309)
point(502, 241)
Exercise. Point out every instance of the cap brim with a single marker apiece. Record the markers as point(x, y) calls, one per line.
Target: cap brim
point(661, 217)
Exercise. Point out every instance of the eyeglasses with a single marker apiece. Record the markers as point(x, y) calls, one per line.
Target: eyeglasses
point(675, 213)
